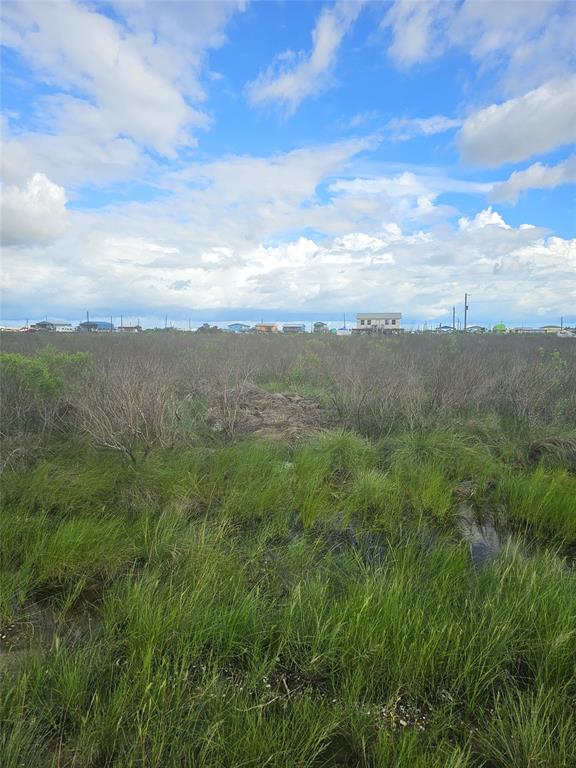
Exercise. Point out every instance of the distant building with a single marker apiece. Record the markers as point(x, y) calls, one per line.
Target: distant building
point(239, 328)
point(95, 326)
point(445, 329)
point(475, 329)
point(52, 327)
point(293, 328)
point(266, 328)
point(378, 322)
point(320, 327)
point(526, 330)
point(129, 328)
point(552, 329)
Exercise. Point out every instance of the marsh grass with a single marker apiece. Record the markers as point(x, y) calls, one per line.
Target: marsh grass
point(299, 605)
point(543, 498)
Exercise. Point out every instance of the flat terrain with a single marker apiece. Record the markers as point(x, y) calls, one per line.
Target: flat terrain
point(289, 552)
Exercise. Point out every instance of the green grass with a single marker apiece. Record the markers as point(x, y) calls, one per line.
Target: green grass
point(542, 498)
point(262, 604)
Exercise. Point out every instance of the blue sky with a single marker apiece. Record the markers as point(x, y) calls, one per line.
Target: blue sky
point(289, 160)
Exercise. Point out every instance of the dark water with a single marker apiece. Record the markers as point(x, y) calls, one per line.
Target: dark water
point(483, 538)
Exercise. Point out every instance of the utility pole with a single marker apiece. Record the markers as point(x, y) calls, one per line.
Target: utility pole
point(561, 323)
point(453, 318)
point(121, 321)
point(189, 324)
point(465, 311)
point(111, 325)
point(87, 316)
point(165, 322)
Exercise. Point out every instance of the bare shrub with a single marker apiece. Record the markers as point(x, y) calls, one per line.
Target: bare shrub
point(373, 385)
point(129, 407)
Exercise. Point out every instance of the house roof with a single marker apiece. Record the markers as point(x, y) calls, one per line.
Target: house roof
point(96, 324)
point(379, 315)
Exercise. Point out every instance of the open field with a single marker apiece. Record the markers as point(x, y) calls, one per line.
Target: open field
point(231, 551)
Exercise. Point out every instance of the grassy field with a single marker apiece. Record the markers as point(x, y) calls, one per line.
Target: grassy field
point(232, 552)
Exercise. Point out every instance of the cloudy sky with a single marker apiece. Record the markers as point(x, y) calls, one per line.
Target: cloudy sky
point(231, 160)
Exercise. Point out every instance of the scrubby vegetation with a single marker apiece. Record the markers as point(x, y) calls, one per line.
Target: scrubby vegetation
point(245, 551)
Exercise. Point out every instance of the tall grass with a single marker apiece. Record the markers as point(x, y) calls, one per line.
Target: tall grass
point(284, 605)
point(542, 498)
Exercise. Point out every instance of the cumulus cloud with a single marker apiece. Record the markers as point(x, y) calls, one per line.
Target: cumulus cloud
point(102, 262)
point(535, 123)
point(33, 214)
point(293, 77)
point(537, 176)
point(76, 47)
point(118, 85)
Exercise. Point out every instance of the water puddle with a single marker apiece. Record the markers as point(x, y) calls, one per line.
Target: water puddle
point(484, 539)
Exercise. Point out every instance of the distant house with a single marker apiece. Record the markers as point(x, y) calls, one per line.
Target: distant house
point(552, 329)
point(445, 329)
point(320, 327)
point(378, 322)
point(294, 328)
point(129, 328)
point(266, 328)
point(526, 330)
point(52, 327)
point(238, 327)
point(95, 326)
point(475, 329)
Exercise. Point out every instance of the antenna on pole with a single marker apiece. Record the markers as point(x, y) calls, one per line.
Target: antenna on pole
point(465, 311)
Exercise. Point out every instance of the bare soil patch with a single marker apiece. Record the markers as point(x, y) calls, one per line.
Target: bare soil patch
point(249, 411)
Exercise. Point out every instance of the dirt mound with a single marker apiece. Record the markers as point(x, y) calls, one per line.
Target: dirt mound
point(249, 411)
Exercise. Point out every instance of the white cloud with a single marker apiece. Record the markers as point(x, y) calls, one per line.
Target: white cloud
point(117, 85)
point(294, 77)
point(535, 123)
point(537, 176)
point(33, 214)
point(403, 128)
point(77, 48)
point(409, 184)
point(483, 219)
point(145, 260)
point(528, 42)
point(415, 30)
